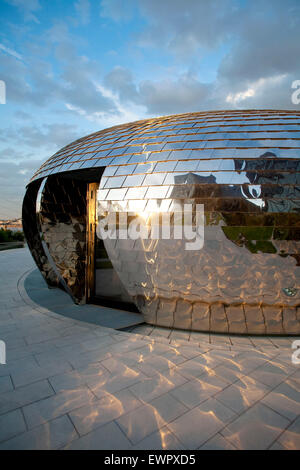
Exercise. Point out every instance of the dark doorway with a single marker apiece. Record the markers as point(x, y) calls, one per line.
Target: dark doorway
point(104, 286)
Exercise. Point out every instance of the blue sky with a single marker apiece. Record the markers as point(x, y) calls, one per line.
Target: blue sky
point(72, 67)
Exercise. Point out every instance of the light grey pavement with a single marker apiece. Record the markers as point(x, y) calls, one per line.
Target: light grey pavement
point(72, 384)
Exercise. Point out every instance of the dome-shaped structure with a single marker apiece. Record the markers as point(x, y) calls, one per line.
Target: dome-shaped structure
point(241, 168)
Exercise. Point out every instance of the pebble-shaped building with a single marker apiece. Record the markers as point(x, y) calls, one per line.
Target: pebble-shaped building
point(242, 168)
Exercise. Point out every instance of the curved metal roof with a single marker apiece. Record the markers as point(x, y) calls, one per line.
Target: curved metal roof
point(161, 144)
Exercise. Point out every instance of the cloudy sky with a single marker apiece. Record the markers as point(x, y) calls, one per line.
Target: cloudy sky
point(72, 67)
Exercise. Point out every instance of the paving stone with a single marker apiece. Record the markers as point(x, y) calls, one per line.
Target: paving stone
point(272, 373)
point(90, 357)
point(247, 364)
point(13, 342)
point(11, 424)
point(220, 339)
point(284, 358)
point(93, 374)
point(107, 437)
point(218, 442)
point(95, 343)
point(168, 407)
point(70, 340)
point(129, 358)
point(5, 384)
point(255, 429)
point(17, 365)
point(191, 369)
point(152, 387)
point(290, 439)
point(190, 351)
point(106, 409)
point(151, 365)
point(51, 435)
point(125, 346)
point(165, 350)
point(140, 423)
point(163, 439)
point(196, 391)
point(277, 446)
point(56, 405)
point(285, 399)
point(116, 382)
point(242, 394)
point(23, 376)
point(196, 426)
point(41, 336)
point(228, 374)
point(208, 361)
point(24, 395)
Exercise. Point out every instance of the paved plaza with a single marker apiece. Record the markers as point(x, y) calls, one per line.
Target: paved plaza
point(74, 381)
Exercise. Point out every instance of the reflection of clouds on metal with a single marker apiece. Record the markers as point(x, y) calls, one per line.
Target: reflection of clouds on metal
point(243, 166)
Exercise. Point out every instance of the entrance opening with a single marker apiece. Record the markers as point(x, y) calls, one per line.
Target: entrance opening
point(104, 286)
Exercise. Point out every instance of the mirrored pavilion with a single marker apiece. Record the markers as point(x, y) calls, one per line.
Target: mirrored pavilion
point(241, 166)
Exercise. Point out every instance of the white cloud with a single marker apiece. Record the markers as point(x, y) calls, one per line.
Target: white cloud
point(27, 7)
point(82, 8)
point(10, 52)
point(121, 114)
point(257, 87)
point(181, 27)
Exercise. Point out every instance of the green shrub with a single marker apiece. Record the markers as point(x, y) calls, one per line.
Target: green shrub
point(10, 236)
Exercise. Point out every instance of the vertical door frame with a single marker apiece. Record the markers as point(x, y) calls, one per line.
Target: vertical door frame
point(90, 239)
